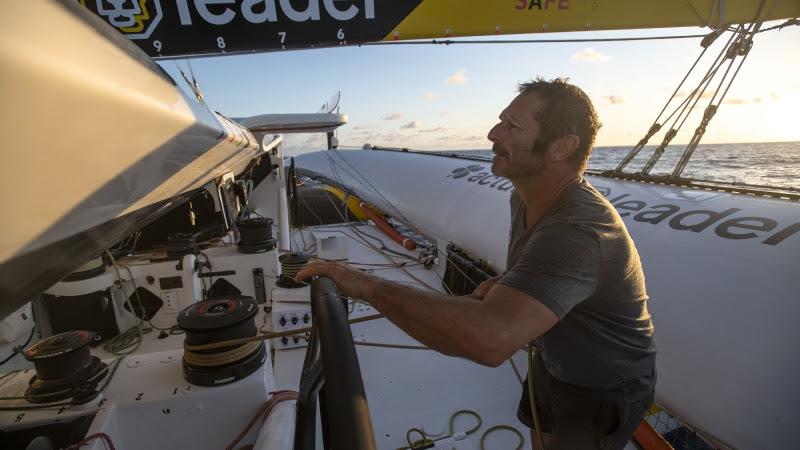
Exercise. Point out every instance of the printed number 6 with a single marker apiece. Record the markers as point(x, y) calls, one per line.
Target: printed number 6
point(340, 34)
point(220, 42)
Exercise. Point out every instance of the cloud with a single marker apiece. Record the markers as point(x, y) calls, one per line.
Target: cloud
point(455, 139)
point(457, 79)
point(742, 101)
point(614, 99)
point(434, 130)
point(443, 113)
point(590, 55)
point(412, 124)
point(774, 96)
point(394, 116)
point(430, 96)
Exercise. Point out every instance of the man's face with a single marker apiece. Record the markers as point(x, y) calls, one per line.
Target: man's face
point(514, 138)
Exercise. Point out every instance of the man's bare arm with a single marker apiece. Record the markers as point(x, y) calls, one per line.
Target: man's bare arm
point(487, 332)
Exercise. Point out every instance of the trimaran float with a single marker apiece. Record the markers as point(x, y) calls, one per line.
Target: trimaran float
point(140, 224)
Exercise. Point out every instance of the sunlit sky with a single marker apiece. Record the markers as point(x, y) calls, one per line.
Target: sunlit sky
point(448, 97)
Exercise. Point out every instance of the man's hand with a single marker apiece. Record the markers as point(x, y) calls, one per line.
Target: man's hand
point(351, 282)
point(483, 288)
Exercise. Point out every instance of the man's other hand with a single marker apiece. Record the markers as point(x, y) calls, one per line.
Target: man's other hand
point(351, 282)
point(483, 288)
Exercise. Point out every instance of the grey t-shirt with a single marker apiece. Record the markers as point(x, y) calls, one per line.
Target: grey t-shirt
point(580, 262)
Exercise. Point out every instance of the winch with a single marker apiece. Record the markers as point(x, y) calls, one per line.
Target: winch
point(218, 320)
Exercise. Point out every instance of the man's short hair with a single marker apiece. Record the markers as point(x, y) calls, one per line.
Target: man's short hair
point(567, 110)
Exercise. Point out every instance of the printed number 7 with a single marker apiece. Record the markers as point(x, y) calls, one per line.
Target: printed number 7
point(282, 34)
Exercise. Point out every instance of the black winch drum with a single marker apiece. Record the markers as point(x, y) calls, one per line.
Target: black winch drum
point(180, 244)
point(255, 235)
point(291, 263)
point(65, 368)
point(220, 320)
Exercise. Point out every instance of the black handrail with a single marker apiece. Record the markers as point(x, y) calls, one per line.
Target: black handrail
point(344, 412)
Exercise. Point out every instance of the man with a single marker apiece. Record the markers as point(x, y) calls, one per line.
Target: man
point(573, 284)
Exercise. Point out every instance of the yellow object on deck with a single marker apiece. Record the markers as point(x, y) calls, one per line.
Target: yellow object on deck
point(352, 202)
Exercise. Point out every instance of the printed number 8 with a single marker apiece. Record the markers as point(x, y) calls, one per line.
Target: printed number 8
point(220, 42)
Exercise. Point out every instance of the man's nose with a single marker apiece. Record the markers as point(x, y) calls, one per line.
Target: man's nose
point(494, 133)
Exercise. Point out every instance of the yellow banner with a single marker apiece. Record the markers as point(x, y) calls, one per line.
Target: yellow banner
point(453, 18)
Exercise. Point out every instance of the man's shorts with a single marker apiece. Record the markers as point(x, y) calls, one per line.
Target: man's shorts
point(579, 418)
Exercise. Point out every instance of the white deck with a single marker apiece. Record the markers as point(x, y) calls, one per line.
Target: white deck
point(418, 388)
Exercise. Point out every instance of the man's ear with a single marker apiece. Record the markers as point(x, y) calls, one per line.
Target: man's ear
point(564, 147)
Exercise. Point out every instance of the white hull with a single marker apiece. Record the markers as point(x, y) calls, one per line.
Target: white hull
point(94, 134)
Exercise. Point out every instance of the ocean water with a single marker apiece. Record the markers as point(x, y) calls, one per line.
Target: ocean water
point(768, 163)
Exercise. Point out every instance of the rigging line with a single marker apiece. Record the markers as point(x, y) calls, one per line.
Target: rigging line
point(743, 45)
point(532, 41)
point(710, 72)
point(335, 172)
point(389, 258)
point(703, 84)
point(383, 245)
point(378, 250)
point(655, 127)
point(405, 219)
point(371, 186)
point(757, 26)
point(684, 107)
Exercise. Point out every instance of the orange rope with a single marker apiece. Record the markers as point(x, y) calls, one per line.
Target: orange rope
point(649, 438)
point(277, 397)
point(387, 228)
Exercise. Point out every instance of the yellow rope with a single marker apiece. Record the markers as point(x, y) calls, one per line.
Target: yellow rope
point(220, 358)
point(502, 427)
point(269, 335)
point(534, 413)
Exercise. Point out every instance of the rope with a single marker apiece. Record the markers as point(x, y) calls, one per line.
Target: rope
point(742, 48)
point(399, 346)
point(532, 41)
point(221, 358)
point(687, 105)
point(264, 412)
point(268, 335)
point(502, 427)
point(334, 171)
point(106, 439)
point(655, 127)
point(426, 442)
point(532, 400)
point(739, 44)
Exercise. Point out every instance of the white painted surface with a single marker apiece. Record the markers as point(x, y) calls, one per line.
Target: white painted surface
point(119, 134)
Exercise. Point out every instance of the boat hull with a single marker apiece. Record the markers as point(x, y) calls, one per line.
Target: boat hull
point(91, 137)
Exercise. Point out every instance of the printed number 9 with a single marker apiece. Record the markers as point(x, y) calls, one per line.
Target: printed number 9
point(157, 46)
point(340, 34)
point(220, 42)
